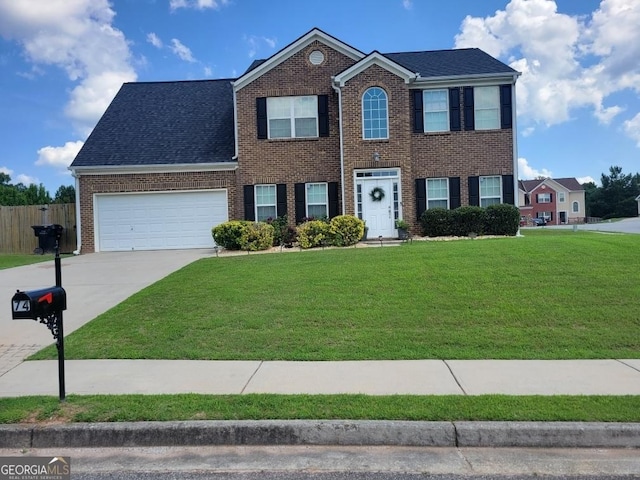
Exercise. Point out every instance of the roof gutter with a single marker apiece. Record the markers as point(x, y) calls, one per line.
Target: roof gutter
point(339, 91)
point(160, 168)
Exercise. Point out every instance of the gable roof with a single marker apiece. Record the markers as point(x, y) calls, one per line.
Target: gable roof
point(570, 184)
point(160, 123)
point(451, 63)
point(375, 58)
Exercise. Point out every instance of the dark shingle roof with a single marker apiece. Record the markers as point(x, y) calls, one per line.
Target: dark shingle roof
point(164, 123)
point(568, 183)
point(446, 63)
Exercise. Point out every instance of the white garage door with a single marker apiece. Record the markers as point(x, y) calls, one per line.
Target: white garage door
point(158, 221)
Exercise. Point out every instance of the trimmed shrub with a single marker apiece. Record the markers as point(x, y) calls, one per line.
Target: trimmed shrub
point(314, 233)
point(436, 222)
point(503, 219)
point(346, 230)
point(283, 233)
point(469, 219)
point(229, 234)
point(257, 236)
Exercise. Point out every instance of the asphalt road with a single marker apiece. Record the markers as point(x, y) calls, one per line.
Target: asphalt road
point(626, 225)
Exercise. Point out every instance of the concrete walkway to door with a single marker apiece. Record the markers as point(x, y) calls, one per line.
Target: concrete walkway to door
point(94, 283)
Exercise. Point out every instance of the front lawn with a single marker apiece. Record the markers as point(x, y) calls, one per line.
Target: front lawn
point(549, 295)
point(9, 260)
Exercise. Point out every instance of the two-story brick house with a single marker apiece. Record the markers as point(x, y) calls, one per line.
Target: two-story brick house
point(318, 129)
point(558, 201)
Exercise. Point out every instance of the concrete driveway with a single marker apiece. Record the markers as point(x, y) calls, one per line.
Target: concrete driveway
point(94, 283)
point(626, 225)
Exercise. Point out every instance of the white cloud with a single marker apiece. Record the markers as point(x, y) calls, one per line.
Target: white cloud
point(6, 170)
point(154, 40)
point(255, 43)
point(208, 71)
point(197, 4)
point(59, 157)
point(567, 62)
point(181, 50)
point(586, 179)
point(27, 180)
point(632, 129)
point(78, 37)
point(407, 4)
point(527, 172)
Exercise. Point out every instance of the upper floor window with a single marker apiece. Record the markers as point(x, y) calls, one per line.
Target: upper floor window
point(575, 207)
point(544, 198)
point(486, 108)
point(437, 193)
point(561, 198)
point(436, 110)
point(265, 198)
point(292, 117)
point(375, 114)
point(316, 200)
point(490, 191)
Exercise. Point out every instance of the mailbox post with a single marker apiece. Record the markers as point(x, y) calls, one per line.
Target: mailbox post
point(45, 306)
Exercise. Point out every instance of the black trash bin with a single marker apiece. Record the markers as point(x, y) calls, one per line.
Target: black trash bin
point(48, 237)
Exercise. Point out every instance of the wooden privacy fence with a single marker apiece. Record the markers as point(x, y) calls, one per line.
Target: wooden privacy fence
point(17, 236)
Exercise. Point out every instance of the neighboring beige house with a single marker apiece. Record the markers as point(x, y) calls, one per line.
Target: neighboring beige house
point(559, 201)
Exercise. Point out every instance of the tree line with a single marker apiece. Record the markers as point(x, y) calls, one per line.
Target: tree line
point(19, 194)
point(616, 197)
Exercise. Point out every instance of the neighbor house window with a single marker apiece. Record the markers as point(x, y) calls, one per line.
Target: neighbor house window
point(544, 198)
point(292, 117)
point(490, 191)
point(561, 198)
point(486, 108)
point(316, 200)
point(436, 110)
point(375, 117)
point(437, 193)
point(575, 207)
point(265, 202)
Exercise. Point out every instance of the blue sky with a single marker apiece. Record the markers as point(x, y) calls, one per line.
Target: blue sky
point(62, 61)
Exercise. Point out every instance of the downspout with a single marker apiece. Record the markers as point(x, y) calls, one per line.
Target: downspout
point(78, 216)
point(516, 191)
point(337, 89)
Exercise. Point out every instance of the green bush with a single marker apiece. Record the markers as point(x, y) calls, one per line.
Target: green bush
point(314, 233)
point(229, 234)
point(503, 219)
point(346, 230)
point(257, 236)
point(469, 219)
point(283, 233)
point(436, 222)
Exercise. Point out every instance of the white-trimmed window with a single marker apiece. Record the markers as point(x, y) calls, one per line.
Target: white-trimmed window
point(544, 198)
point(561, 197)
point(486, 101)
point(490, 191)
point(575, 207)
point(316, 200)
point(437, 193)
point(292, 117)
point(375, 114)
point(265, 202)
point(435, 104)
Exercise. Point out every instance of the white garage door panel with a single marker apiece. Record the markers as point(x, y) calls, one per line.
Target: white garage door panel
point(158, 221)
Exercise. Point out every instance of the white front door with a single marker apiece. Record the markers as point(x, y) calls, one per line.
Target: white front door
point(377, 209)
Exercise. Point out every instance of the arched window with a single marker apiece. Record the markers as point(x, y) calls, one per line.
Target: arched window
point(375, 114)
point(575, 207)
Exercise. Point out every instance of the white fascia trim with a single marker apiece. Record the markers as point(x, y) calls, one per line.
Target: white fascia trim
point(132, 169)
point(294, 48)
point(466, 80)
point(375, 58)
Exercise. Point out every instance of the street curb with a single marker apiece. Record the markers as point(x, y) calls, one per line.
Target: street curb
point(316, 432)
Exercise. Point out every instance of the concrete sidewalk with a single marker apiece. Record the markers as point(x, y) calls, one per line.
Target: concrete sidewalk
point(405, 377)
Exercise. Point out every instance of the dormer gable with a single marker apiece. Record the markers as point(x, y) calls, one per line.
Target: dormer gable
point(375, 58)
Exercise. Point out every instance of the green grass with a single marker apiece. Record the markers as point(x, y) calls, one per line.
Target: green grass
point(548, 295)
point(16, 260)
point(132, 408)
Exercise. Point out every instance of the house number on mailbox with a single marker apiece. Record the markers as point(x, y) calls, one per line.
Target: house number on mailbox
point(21, 306)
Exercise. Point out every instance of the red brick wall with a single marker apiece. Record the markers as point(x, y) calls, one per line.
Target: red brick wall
point(151, 182)
point(545, 207)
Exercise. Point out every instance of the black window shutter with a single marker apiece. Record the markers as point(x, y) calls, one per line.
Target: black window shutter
point(323, 115)
point(474, 191)
point(333, 199)
point(301, 207)
point(537, 198)
point(418, 117)
point(505, 106)
point(469, 118)
point(421, 197)
point(551, 197)
point(454, 109)
point(249, 203)
point(507, 190)
point(281, 199)
point(261, 117)
point(454, 192)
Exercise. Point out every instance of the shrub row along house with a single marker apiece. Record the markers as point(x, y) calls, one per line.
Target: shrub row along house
point(318, 129)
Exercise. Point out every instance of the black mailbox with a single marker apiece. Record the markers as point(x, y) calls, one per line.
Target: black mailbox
point(36, 304)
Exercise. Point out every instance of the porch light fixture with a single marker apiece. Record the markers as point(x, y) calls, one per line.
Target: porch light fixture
point(376, 156)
